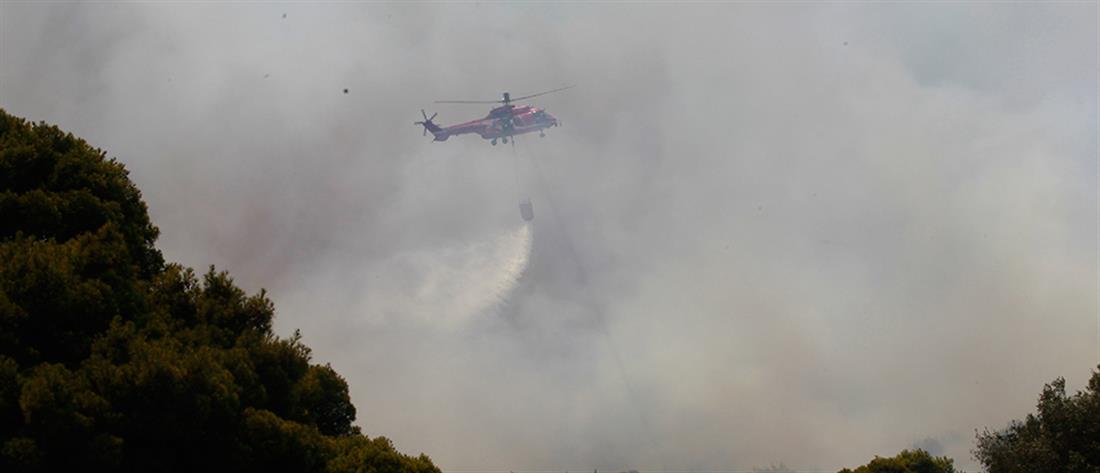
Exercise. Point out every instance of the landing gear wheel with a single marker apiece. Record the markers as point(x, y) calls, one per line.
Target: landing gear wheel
point(494, 142)
point(542, 135)
point(504, 140)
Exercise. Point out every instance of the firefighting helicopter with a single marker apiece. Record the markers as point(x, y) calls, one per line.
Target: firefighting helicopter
point(502, 123)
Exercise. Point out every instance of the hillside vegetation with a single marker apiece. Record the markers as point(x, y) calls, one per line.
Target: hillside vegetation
point(112, 359)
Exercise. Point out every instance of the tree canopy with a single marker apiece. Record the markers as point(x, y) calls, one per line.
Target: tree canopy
point(908, 461)
point(1063, 435)
point(112, 359)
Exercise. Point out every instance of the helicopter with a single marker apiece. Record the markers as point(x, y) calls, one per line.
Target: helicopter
point(502, 123)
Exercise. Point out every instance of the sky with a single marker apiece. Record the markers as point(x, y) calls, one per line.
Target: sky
point(806, 233)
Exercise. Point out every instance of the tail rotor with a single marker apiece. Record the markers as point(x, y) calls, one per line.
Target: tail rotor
point(427, 123)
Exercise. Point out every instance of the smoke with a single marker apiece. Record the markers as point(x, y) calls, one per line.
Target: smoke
point(789, 233)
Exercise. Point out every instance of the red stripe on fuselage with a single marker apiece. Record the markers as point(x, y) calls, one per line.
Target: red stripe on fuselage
point(525, 119)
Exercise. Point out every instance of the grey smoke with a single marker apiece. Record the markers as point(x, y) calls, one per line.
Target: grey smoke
point(808, 234)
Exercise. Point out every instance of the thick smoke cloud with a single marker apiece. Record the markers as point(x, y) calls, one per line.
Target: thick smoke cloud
point(765, 233)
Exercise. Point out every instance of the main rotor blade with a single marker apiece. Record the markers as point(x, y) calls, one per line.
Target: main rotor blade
point(512, 99)
point(469, 101)
point(543, 93)
point(433, 116)
point(425, 115)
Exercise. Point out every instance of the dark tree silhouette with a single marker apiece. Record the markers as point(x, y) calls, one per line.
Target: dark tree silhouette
point(112, 359)
point(1063, 435)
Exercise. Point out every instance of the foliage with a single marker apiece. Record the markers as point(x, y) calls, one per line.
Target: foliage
point(112, 359)
point(1063, 435)
point(908, 461)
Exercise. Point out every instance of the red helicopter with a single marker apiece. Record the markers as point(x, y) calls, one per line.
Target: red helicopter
point(502, 123)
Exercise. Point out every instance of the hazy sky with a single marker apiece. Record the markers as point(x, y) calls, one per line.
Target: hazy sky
point(798, 233)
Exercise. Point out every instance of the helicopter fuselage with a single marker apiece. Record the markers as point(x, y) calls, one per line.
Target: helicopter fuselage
point(502, 122)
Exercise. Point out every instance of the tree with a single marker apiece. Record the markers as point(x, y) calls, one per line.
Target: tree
point(908, 461)
point(1063, 435)
point(112, 359)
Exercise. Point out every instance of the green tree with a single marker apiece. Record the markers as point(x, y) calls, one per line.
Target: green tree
point(908, 461)
point(1063, 435)
point(111, 359)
